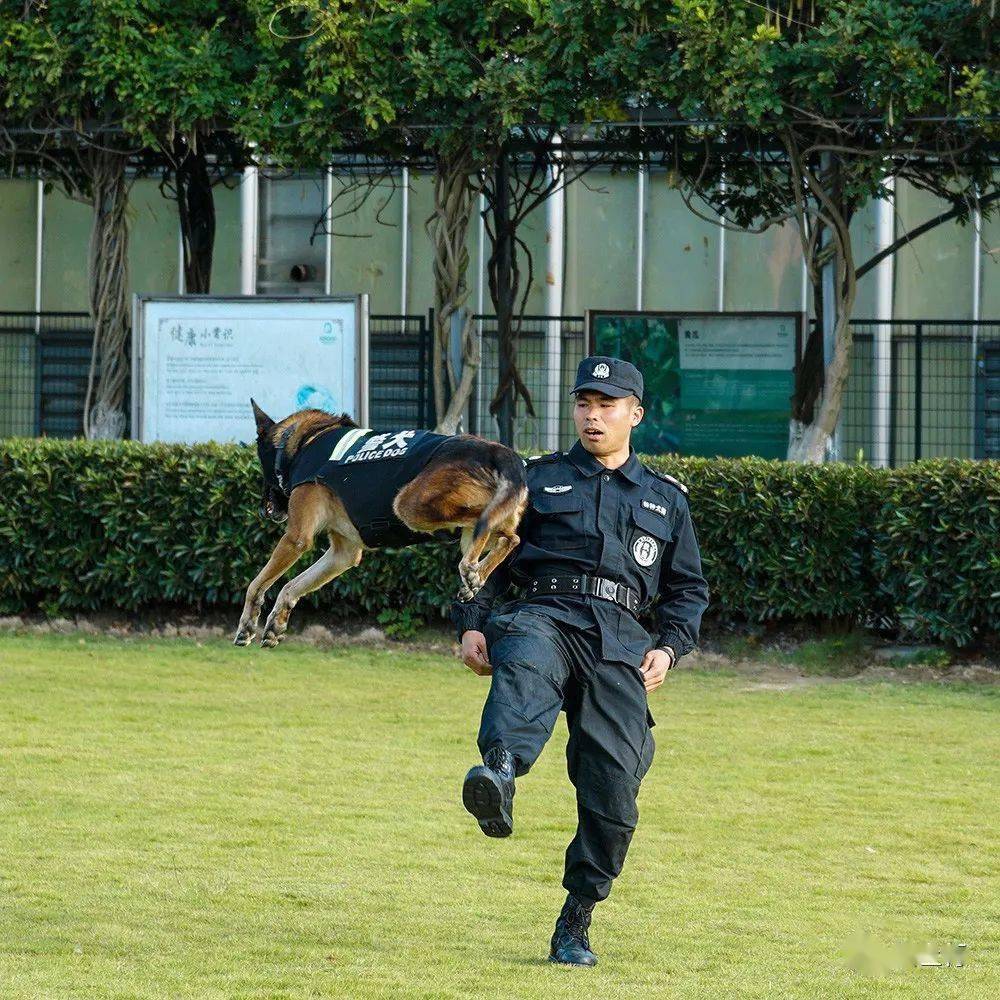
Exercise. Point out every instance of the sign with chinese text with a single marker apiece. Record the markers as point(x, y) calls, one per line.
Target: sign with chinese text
point(197, 360)
point(716, 383)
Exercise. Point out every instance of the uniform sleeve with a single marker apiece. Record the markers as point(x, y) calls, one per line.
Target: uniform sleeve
point(683, 592)
point(473, 614)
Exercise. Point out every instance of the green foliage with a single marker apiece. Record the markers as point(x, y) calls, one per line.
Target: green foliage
point(90, 525)
point(145, 68)
point(400, 623)
point(935, 548)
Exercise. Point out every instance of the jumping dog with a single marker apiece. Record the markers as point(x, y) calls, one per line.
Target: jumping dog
point(322, 474)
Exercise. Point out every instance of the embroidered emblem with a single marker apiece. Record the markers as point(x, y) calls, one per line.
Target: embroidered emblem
point(557, 489)
point(655, 506)
point(601, 371)
point(645, 550)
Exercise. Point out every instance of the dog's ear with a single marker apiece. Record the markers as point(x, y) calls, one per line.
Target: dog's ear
point(264, 422)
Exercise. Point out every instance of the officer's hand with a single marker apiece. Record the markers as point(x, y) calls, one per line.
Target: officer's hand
point(474, 654)
point(655, 665)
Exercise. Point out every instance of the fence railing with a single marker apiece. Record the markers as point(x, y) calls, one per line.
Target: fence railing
point(44, 363)
point(551, 427)
point(918, 388)
point(922, 389)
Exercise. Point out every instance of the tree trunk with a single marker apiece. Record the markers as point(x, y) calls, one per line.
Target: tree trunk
point(196, 209)
point(104, 404)
point(816, 436)
point(448, 227)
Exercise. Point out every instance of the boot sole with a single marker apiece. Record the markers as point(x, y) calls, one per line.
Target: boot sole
point(482, 796)
point(572, 965)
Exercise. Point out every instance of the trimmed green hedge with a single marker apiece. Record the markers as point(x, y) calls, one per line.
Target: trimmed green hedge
point(87, 525)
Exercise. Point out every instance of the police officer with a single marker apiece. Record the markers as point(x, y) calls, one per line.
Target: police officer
point(604, 539)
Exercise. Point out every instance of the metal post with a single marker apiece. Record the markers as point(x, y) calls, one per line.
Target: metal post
point(885, 234)
point(476, 397)
point(249, 221)
point(918, 390)
point(555, 239)
point(422, 373)
point(328, 236)
point(404, 254)
point(720, 292)
point(640, 237)
point(977, 307)
point(39, 237)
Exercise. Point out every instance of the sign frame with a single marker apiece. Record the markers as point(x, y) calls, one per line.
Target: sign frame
point(360, 302)
point(590, 317)
point(794, 316)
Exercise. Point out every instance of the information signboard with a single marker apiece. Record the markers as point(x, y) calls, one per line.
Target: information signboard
point(716, 383)
point(198, 359)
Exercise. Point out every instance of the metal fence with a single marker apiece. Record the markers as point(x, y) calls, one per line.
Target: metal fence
point(918, 388)
point(552, 425)
point(44, 361)
point(922, 389)
point(400, 385)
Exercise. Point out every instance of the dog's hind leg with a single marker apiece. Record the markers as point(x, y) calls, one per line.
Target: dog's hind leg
point(342, 555)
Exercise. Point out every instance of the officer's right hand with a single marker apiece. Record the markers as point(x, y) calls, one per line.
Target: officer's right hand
point(474, 653)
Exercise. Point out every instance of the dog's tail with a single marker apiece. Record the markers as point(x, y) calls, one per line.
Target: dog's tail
point(511, 491)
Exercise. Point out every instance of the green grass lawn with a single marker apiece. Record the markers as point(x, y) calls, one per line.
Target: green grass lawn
point(201, 821)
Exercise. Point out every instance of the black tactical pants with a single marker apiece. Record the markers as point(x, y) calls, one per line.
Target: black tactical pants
point(541, 666)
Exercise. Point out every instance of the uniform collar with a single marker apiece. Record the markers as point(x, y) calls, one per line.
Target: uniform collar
point(589, 465)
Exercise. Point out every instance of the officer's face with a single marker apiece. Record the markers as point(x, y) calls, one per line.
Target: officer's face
point(604, 423)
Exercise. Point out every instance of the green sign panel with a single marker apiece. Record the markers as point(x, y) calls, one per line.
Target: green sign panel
point(716, 384)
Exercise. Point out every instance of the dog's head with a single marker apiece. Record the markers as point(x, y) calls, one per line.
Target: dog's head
point(273, 502)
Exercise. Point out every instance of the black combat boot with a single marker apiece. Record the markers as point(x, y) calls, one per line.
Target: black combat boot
point(570, 944)
point(488, 793)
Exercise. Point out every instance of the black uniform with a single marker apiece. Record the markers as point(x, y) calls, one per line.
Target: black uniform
point(630, 527)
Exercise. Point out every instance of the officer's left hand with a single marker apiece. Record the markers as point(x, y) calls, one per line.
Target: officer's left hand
point(655, 665)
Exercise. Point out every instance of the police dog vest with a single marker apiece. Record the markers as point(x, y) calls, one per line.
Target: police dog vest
point(366, 470)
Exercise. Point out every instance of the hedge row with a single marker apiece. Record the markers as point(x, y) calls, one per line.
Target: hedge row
point(86, 525)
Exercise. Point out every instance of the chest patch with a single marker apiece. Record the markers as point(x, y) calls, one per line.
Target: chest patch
point(645, 550)
point(659, 508)
point(557, 489)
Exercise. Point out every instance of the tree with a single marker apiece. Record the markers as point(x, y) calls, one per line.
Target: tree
point(389, 83)
point(94, 96)
point(805, 115)
point(479, 90)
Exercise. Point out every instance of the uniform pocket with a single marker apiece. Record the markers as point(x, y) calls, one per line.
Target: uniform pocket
point(558, 520)
point(648, 535)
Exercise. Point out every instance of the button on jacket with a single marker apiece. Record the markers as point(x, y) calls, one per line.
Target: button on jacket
point(630, 525)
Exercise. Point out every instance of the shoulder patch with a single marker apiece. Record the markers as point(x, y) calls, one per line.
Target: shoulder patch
point(667, 479)
point(540, 459)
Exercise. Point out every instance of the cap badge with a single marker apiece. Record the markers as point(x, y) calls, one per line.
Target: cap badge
point(601, 370)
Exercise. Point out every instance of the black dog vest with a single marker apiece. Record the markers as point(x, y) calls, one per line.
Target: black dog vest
point(366, 470)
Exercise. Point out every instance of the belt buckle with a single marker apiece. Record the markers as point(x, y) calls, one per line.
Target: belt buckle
point(608, 590)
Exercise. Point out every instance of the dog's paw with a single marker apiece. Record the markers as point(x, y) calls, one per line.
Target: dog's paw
point(244, 637)
point(465, 594)
point(271, 637)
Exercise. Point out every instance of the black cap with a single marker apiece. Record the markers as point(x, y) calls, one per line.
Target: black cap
point(612, 376)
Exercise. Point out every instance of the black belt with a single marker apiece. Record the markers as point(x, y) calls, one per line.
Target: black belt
point(593, 586)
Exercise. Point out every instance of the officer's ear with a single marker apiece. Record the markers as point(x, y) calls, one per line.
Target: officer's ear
point(637, 411)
